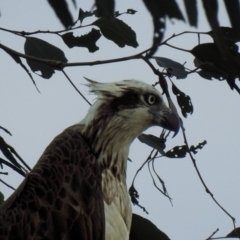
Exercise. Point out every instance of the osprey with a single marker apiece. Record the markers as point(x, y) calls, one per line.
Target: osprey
point(77, 189)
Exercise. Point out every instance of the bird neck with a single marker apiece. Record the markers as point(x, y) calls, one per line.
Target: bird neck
point(110, 142)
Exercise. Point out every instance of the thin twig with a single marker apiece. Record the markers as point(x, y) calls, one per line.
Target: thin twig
point(7, 184)
point(16, 169)
point(210, 237)
point(75, 87)
point(4, 129)
point(185, 141)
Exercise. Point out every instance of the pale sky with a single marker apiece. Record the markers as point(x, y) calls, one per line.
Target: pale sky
point(35, 119)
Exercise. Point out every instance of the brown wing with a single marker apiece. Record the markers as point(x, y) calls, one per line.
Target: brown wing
point(61, 198)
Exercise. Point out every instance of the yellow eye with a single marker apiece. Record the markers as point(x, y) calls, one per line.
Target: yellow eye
point(151, 99)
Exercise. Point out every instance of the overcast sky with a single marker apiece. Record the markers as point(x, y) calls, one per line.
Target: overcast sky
point(35, 119)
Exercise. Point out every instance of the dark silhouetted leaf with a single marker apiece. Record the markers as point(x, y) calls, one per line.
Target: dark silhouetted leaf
point(60, 8)
point(228, 34)
point(209, 75)
point(131, 11)
point(4, 129)
point(177, 152)
point(159, 11)
point(134, 196)
point(229, 65)
point(176, 69)
point(40, 49)
point(105, 8)
point(184, 101)
point(235, 233)
point(211, 11)
point(18, 60)
point(199, 146)
point(89, 40)
point(4, 147)
point(181, 151)
point(153, 141)
point(209, 71)
point(143, 229)
point(192, 13)
point(84, 14)
point(233, 10)
point(74, 3)
point(117, 31)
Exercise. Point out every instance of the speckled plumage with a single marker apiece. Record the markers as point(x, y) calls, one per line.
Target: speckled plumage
point(77, 189)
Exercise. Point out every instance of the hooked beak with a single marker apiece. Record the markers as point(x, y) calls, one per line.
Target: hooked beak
point(169, 120)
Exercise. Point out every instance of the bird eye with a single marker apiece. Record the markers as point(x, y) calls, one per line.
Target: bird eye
point(151, 99)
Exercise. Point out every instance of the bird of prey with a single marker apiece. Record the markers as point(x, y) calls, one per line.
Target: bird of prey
point(77, 189)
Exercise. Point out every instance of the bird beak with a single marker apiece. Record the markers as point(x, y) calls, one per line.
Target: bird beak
point(169, 120)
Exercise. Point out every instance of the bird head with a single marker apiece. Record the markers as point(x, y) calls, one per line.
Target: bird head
point(127, 108)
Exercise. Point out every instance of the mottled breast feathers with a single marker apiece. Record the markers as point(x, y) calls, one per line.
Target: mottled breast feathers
point(51, 204)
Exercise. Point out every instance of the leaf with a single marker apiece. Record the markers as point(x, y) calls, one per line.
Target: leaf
point(199, 146)
point(159, 11)
point(211, 11)
point(84, 14)
point(229, 64)
point(176, 69)
point(89, 40)
point(4, 147)
point(233, 10)
point(117, 31)
point(131, 11)
point(184, 101)
point(209, 70)
point(105, 8)
point(143, 229)
point(40, 49)
point(134, 196)
point(227, 33)
point(153, 141)
point(235, 233)
point(60, 8)
point(1, 198)
point(192, 13)
point(4, 129)
point(177, 152)
point(18, 60)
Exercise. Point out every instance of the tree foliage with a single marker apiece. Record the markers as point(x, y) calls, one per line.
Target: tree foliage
point(218, 59)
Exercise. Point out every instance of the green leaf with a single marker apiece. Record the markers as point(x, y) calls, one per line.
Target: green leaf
point(117, 31)
point(153, 141)
point(89, 40)
point(41, 49)
point(176, 69)
point(84, 14)
point(143, 229)
point(184, 101)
